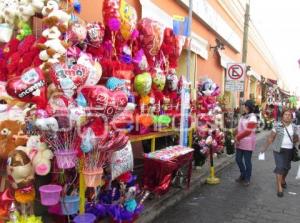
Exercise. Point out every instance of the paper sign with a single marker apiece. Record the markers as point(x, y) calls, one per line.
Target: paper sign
point(121, 161)
point(261, 156)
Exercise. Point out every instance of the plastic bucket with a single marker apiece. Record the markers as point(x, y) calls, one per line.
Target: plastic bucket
point(66, 159)
point(50, 194)
point(70, 205)
point(93, 178)
point(85, 218)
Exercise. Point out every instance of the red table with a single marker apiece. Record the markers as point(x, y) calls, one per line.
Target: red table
point(158, 173)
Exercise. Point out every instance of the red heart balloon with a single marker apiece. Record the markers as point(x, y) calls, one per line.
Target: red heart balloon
point(29, 87)
point(106, 102)
point(69, 78)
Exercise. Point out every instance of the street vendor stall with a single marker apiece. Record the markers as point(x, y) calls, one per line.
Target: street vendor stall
point(74, 95)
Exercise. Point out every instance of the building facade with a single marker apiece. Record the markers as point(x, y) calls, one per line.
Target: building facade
point(213, 21)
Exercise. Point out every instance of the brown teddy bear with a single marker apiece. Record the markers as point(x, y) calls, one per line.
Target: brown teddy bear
point(11, 136)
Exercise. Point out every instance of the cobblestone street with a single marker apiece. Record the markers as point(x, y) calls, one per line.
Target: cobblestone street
point(232, 202)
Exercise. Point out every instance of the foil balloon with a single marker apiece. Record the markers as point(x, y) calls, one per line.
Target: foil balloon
point(95, 33)
point(158, 79)
point(128, 19)
point(151, 36)
point(77, 32)
point(29, 87)
point(111, 14)
point(94, 67)
point(106, 102)
point(88, 140)
point(114, 83)
point(142, 83)
point(172, 81)
point(69, 78)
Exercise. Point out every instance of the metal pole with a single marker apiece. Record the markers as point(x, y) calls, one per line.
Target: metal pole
point(245, 48)
point(185, 93)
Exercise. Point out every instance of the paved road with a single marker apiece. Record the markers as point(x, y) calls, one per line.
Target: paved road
point(232, 202)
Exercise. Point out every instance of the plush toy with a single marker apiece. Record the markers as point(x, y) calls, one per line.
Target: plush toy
point(52, 10)
point(11, 136)
point(24, 30)
point(26, 10)
point(20, 174)
point(39, 154)
point(19, 170)
point(10, 48)
point(38, 5)
point(54, 49)
point(10, 11)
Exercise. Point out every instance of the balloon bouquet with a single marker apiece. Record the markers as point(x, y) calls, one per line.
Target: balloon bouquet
point(208, 134)
point(74, 92)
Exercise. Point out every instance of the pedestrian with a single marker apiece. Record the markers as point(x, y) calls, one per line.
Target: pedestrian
point(245, 142)
point(298, 117)
point(282, 139)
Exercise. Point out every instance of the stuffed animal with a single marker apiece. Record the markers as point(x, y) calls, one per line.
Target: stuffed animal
point(11, 136)
point(26, 10)
point(10, 11)
point(52, 10)
point(38, 5)
point(20, 171)
point(54, 49)
point(39, 154)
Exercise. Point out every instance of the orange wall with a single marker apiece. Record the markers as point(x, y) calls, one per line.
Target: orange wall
point(92, 11)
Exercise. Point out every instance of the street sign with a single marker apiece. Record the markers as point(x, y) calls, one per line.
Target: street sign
point(235, 77)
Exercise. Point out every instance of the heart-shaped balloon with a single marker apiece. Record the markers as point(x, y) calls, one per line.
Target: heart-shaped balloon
point(106, 102)
point(142, 83)
point(29, 87)
point(69, 78)
point(158, 79)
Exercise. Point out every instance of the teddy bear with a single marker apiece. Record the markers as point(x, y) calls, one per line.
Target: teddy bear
point(26, 10)
point(38, 5)
point(10, 11)
point(39, 155)
point(53, 49)
point(11, 136)
point(52, 10)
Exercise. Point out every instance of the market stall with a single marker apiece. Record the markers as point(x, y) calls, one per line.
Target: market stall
point(74, 96)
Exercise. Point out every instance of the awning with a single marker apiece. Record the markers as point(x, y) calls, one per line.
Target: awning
point(252, 73)
point(224, 59)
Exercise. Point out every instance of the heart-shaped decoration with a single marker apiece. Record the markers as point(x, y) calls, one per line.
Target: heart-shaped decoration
point(106, 102)
point(69, 77)
point(29, 87)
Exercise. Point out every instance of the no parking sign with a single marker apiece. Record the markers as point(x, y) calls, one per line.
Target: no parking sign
point(235, 77)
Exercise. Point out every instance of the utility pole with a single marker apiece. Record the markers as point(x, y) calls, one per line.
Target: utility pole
point(245, 47)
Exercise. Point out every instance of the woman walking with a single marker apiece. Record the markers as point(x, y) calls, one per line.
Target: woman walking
point(245, 142)
point(281, 140)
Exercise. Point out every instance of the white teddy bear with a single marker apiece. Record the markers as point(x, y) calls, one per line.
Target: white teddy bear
point(39, 154)
point(38, 5)
point(52, 10)
point(10, 11)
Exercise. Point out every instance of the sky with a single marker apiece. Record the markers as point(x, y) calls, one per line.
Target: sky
point(278, 22)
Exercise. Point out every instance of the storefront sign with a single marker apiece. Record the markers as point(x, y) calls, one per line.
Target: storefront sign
point(235, 76)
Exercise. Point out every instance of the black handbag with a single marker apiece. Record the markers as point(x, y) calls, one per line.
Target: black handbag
point(295, 155)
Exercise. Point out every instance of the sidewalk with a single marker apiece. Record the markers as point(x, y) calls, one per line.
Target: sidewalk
point(155, 207)
point(231, 202)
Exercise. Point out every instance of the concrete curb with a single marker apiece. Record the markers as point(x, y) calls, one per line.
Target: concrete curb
point(156, 206)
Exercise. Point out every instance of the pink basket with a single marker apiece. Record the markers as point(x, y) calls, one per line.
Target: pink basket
point(50, 194)
point(93, 178)
point(66, 159)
